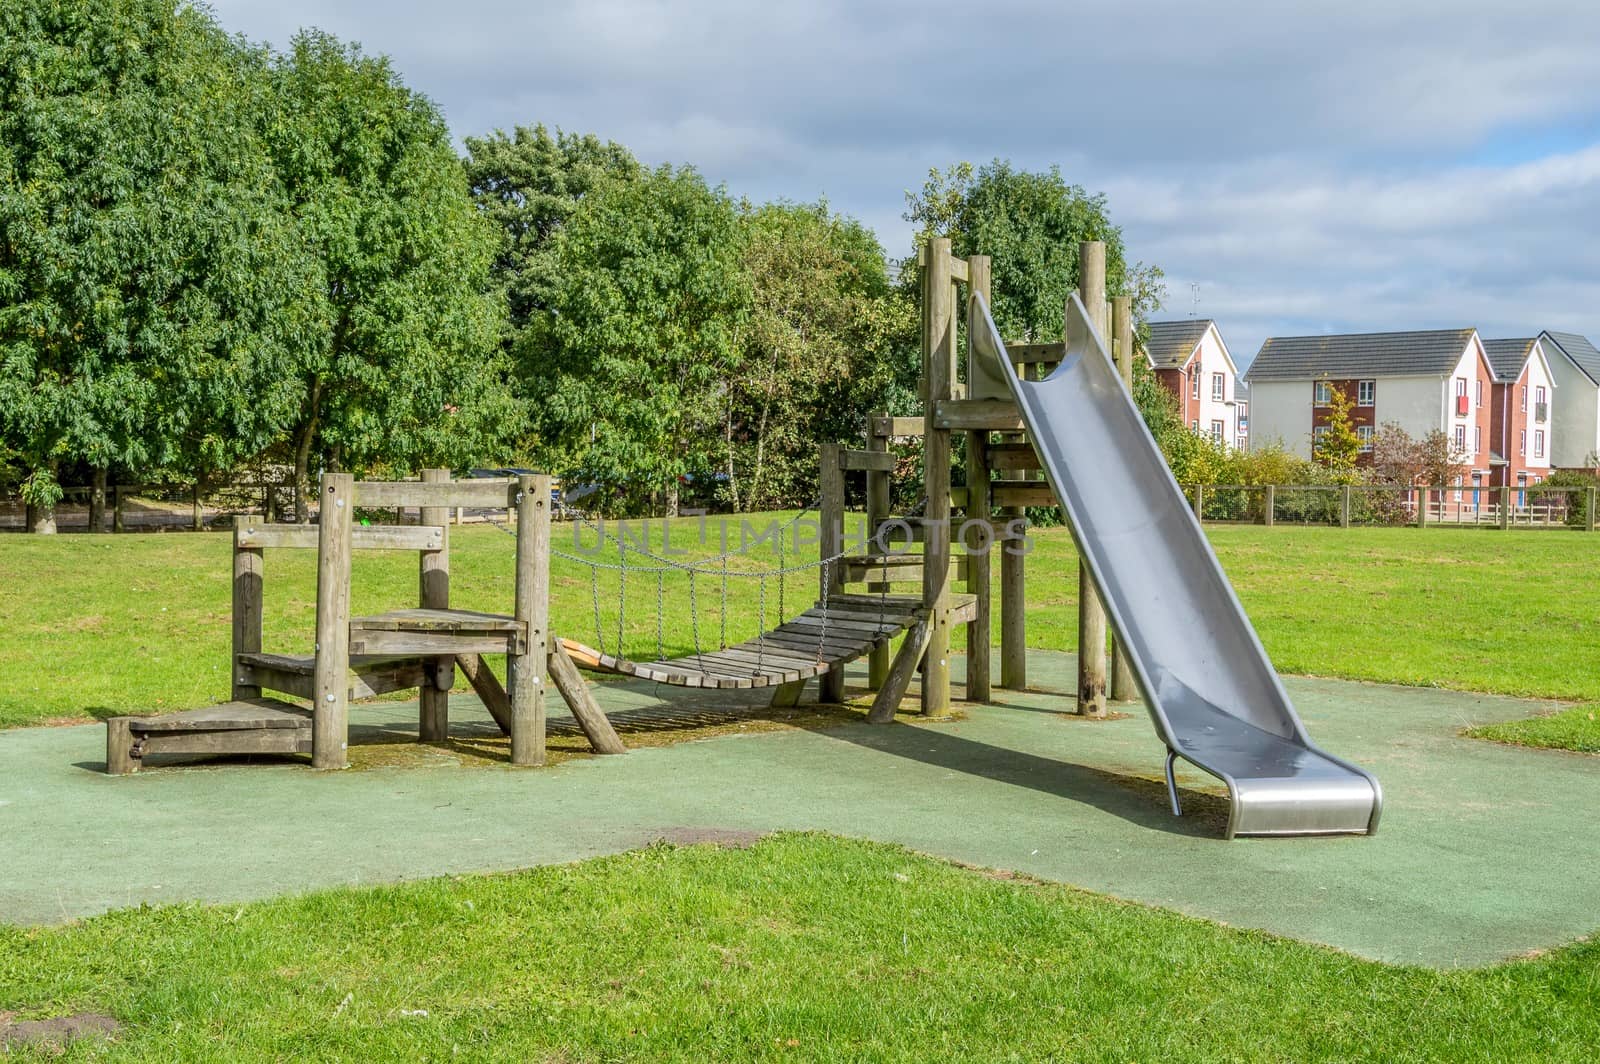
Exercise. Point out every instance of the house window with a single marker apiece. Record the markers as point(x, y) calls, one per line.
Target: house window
point(1477, 439)
point(1461, 386)
point(1538, 443)
point(1217, 429)
point(1522, 442)
point(1194, 426)
point(1242, 442)
point(1317, 435)
point(1458, 487)
point(1323, 393)
point(1480, 391)
point(1364, 434)
point(1538, 394)
point(1365, 391)
point(1194, 383)
point(1461, 439)
point(1524, 398)
point(1219, 387)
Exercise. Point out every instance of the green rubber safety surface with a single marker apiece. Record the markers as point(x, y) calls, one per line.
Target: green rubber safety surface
point(1484, 852)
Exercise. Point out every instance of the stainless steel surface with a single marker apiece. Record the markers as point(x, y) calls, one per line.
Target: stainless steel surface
point(1212, 693)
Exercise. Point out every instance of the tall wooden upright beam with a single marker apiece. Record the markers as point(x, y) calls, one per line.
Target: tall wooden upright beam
point(938, 357)
point(433, 724)
point(978, 508)
point(1091, 614)
point(248, 574)
point(878, 487)
point(830, 543)
point(1123, 686)
point(525, 672)
point(330, 690)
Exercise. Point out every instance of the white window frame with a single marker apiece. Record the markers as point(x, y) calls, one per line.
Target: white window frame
point(1460, 439)
point(1241, 443)
point(1194, 382)
point(1461, 386)
point(1538, 394)
point(1522, 443)
point(1477, 439)
point(1538, 443)
point(1479, 390)
point(1219, 387)
point(1364, 434)
point(1322, 393)
point(1366, 393)
point(1524, 398)
point(1194, 426)
point(1219, 430)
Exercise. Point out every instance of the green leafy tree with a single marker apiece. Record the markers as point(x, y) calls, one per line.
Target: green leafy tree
point(643, 331)
point(829, 338)
point(1338, 446)
point(402, 367)
point(150, 282)
point(528, 183)
point(1030, 225)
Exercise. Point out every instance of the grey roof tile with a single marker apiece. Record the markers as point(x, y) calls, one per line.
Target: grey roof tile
point(1581, 351)
point(1172, 342)
point(1432, 353)
point(1508, 357)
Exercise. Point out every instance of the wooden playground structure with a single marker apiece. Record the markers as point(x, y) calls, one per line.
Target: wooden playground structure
point(864, 600)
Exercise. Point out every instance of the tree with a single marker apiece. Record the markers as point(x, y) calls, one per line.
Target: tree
point(402, 366)
point(1030, 225)
point(150, 282)
point(1338, 446)
point(528, 184)
point(828, 339)
point(642, 333)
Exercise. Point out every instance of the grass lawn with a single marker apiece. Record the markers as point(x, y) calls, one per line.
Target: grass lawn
point(1576, 729)
point(93, 626)
point(801, 948)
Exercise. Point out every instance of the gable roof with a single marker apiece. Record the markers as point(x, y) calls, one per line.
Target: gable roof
point(1433, 353)
point(1579, 350)
point(1507, 357)
point(1171, 343)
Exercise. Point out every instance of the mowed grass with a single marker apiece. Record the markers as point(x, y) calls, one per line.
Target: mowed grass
point(96, 625)
point(1576, 729)
point(801, 948)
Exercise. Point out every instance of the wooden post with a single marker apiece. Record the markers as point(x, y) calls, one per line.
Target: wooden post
point(1124, 688)
point(937, 311)
point(1013, 588)
point(433, 724)
point(330, 728)
point(1422, 507)
point(585, 710)
point(1199, 502)
point(117, 524)
point(879, 485)
point(1505, 507)
point(979, 508)
point(97, 501)
point(119, 747)
point(1091, 614)
point(1344, 506)
point(1588, 513)
point(829, 577)
point(1271, 505)
point(525, 672)
point(248, 573)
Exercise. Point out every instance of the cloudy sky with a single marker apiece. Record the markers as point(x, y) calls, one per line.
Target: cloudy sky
point(1372, 166)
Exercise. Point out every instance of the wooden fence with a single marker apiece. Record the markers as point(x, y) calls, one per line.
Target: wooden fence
point(1358, 505)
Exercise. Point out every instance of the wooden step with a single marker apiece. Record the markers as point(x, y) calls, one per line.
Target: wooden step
point(436, 632)
point(294, 674)
point(248, 726)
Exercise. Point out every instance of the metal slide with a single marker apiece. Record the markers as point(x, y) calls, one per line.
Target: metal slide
point(1213, 695)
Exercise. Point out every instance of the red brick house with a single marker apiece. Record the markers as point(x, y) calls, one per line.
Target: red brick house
point(1191, 360)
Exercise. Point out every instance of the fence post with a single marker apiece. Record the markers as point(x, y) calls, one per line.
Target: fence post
point(1199, 501)
point(1588, 511)
point(1422, 506)
point(1505, 507)
point(1344, 506)
point(1271, 504)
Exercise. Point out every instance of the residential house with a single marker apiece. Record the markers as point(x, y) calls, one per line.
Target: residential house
point(1575, 372)
point(1421, 381)
point(1191, 360)
point(1521, 432)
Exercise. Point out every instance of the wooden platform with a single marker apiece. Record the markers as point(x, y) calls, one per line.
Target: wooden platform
point(294, 674)
point(440, 632)
point(248, 726)
point(815, 642)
